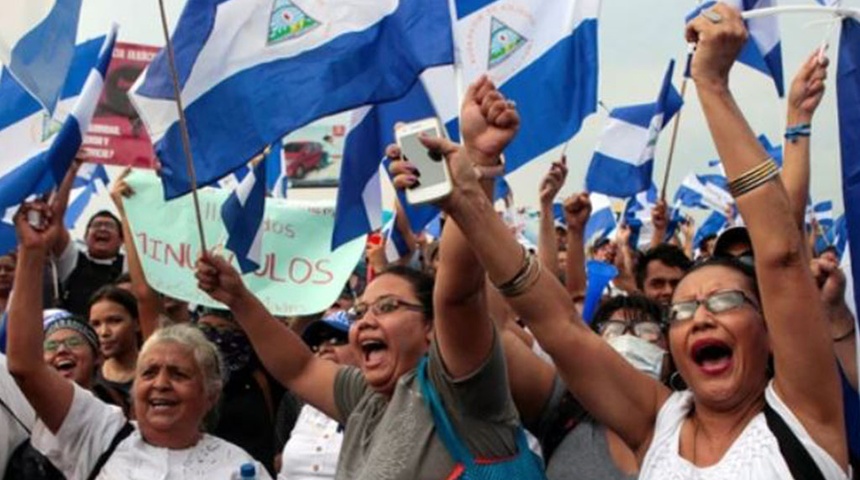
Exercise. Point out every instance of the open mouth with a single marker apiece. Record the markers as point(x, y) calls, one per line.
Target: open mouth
point(160, 404)
point(712, 356)
point(65, 366)
point(373, 351)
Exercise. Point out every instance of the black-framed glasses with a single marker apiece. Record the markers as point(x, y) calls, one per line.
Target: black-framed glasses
point(381, 306)
point(646, 329)
point(331, 341)
point(104, 225)
point(716, 303)
point(72, 343)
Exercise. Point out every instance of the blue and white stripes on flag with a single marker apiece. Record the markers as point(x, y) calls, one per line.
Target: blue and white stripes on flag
point(242, 214)
point(38, 150)
point(396, 246)
point(37, 44)
point(823, 213)
point(251, 72)
point(624, 158)
point(602, 219)
point(704, 191)
point(359, 198)
point(847, 102)
point(713, 225)
point(277, 182)
point(90, 178)
point(543, 55)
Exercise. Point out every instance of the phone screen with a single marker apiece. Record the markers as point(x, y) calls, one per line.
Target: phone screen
point(413, 150)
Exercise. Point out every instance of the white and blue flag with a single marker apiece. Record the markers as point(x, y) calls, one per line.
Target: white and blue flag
point(252, 71)
point(763, 50)
point(38, 149)
point(713, 225)
point(91, 178)
point(823, 212)
point(847, 101)
point(359, 198)
point(704, 191)
point(37, 44)
point(542, 54)
point(624, 158)
point(602, 219)
point(242, 214)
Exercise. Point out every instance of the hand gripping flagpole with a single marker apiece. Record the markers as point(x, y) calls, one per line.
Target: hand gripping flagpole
point(677, 122)
point(183, 125)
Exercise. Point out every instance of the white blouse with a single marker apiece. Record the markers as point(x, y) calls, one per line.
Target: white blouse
point(313, 448)
point(91, 425)
point(754, 455)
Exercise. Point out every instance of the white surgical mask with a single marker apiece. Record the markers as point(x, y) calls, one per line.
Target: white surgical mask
point(642, 354)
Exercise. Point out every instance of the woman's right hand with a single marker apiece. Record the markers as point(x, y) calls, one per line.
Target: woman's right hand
point(718, 44)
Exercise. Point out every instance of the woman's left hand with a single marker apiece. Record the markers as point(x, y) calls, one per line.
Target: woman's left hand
point(219, 279)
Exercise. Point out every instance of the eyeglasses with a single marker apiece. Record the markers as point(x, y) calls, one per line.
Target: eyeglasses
point(107, 225)
point(332, 342)
point(716, 303)
point(746, 258)
point(646, 330)
point(381, 306)
point(72, 343)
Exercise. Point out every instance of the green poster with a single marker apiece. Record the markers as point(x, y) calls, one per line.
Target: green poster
point(298, 274)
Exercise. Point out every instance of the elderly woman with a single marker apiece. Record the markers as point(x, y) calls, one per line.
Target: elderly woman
point(178, 381)
point(735, 421)
point(431, 396)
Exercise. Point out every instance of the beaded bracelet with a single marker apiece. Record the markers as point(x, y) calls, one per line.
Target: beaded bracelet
point(794, 132)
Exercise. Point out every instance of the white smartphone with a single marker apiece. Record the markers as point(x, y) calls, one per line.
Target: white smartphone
point(435, 179)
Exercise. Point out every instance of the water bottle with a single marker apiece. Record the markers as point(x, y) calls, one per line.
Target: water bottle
point(248, 471)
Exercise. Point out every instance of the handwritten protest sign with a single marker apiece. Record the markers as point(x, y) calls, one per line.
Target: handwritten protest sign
point(299, 274)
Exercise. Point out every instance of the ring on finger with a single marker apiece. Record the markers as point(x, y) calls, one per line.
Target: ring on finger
point(713, 16)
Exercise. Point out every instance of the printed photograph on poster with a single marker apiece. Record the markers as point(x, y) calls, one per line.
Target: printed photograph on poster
point(117, 136)
point(311, 156)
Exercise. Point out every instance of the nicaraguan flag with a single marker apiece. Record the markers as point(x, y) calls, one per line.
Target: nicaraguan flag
point(624, 157)
point(396, 246)
point(543, 55)
point(359, 198)
point(90, 178)
point(252, 71)
point(823, 212)
point(713, 224)
point(848, 107)
point(763, 50)
point(277, 182)
point(242, 214)
point(37, 149)
point(602, 219)
point(37, 44)
point(704, 191)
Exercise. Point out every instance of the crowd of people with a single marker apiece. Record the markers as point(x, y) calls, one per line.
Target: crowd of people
point(468, 359)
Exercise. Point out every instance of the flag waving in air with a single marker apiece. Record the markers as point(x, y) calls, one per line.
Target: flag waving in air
point(542, 54)
point(624, 158)
point(252, 71)
point(242, 214)
point(37, 44)
point(35, 164)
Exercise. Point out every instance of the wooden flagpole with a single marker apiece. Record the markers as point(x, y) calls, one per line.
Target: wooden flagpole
point(183, 126)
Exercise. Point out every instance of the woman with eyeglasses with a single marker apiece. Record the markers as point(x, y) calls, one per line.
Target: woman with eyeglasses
point(430, 398)
point(735, 421)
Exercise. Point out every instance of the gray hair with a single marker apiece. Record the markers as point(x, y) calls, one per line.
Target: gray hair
point(205, 353)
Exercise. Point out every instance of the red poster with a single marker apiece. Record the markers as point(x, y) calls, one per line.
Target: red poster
point(117, 135)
